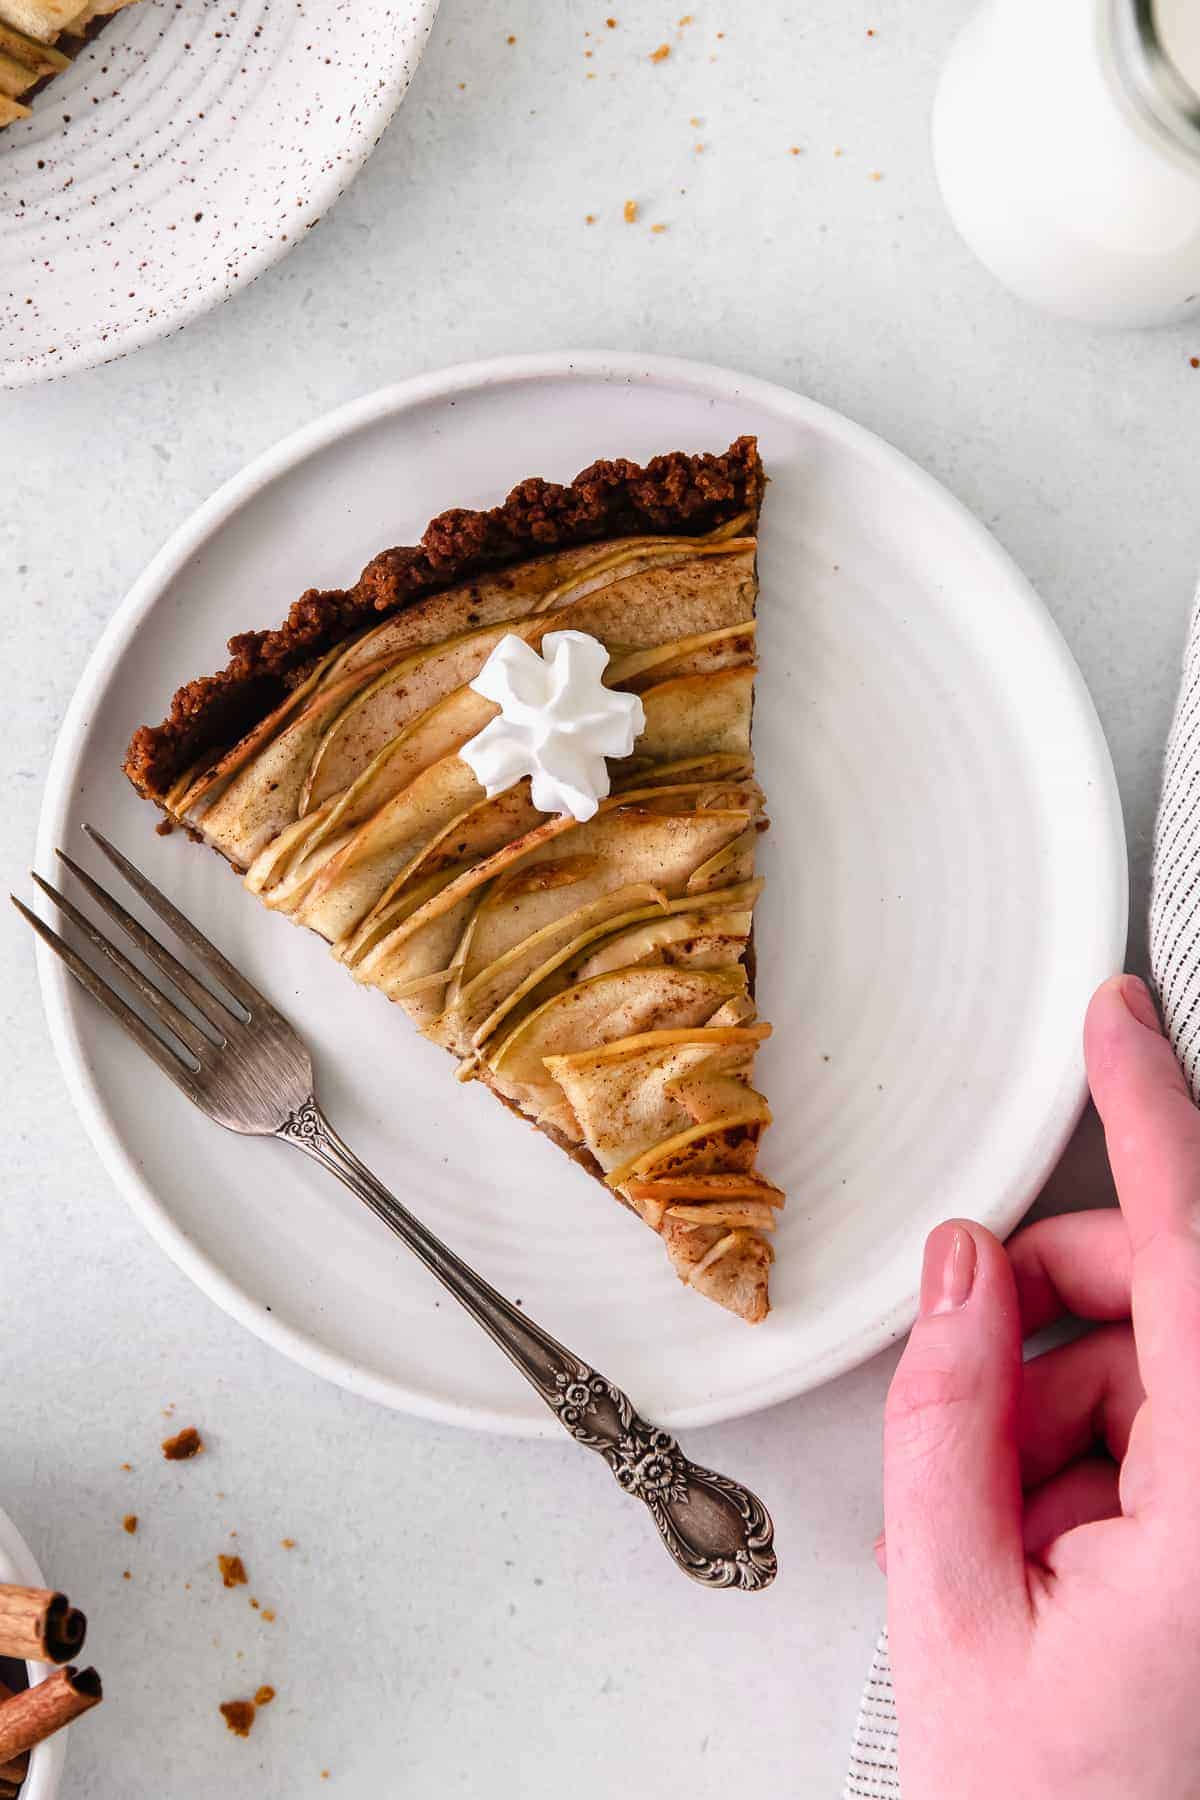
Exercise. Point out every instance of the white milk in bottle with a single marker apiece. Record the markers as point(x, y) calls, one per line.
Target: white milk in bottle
point(1066, 139)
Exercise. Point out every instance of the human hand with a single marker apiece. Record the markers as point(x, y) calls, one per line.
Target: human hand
point(1044, 1599)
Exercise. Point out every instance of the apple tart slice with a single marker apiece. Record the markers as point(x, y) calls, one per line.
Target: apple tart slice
point(590, 966)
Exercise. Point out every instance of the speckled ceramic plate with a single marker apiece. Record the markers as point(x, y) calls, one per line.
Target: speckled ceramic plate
point(190, 146)
point(945, 884)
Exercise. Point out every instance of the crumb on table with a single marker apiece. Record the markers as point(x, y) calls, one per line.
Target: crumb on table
point(238, 1715)
point(661, 54)
point(130, 1523)
point(265, 1695)
point(268, 1614)
point(184, 1444)
point(630, 212)
point(233, 1571)
point(288, 1543)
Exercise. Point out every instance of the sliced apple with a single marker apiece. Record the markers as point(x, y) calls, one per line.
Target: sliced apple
point(630, 848)
point(382, 707)
point(38, 57)
point(734, 862)
point(685, 940)
point(631, 1097)
point(730, 1142)
point(11, 110)
point(539, 585)
point(350, 883)
point(485, 999)
point(617, 1005)
point(40, 19)
point(697, 715)
point(730, 647)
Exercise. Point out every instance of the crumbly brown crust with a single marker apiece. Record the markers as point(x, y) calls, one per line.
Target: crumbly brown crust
point(674, 493)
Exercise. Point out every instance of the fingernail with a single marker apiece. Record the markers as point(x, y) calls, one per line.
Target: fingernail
point(1139, 1001)
point(949, 1270)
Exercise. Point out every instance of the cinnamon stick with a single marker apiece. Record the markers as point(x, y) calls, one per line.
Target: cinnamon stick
point(39, 1626)
point(45, 1708)
point(13, 1773)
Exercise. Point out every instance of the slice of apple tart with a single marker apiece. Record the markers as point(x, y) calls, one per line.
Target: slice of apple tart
point(508, 777)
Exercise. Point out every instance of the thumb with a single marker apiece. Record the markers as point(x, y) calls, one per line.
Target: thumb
point(952, 1484)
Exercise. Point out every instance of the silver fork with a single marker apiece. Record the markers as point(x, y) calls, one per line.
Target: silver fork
point(249, 1070)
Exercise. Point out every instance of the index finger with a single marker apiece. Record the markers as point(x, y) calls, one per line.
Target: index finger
point(1153, 1134)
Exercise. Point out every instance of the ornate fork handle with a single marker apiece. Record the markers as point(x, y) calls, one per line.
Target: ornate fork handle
point(717, 1531)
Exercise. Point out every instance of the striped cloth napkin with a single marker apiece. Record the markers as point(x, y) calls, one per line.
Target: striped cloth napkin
point(1175, 970)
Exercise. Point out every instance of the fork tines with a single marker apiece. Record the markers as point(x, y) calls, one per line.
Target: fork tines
point(181, 1043)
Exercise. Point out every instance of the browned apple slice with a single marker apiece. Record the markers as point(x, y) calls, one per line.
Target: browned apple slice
point(631, 1096)
point(622, 1004)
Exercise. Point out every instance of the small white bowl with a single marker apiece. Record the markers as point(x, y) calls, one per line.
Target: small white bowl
point(17, 1564)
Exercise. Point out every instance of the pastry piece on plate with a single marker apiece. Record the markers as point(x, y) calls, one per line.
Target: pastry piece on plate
point(30, 47)
point(508, 777)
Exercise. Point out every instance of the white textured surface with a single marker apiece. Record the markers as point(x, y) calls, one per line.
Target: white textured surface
point(398, 1661)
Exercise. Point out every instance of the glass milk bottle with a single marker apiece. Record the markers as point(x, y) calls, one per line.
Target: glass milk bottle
point(1066, 139)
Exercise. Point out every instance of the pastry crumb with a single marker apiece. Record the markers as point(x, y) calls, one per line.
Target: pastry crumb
point(658, 228)
point(254, 1602)
point(630, 212)
point(686, 19)
point(238, 1715)
point(268, 1613)
point(611, 23)
point(661, 54)
point(130, 1522)
point(794, 150)
point(589, 218)
point(125, 1575)
point(128, 1468)
point(265, 1695)
point(233, 1571)
point(1195, 361)
point(875, 175)
point(510, 39)
point(184, 1444)
point(288, 1543)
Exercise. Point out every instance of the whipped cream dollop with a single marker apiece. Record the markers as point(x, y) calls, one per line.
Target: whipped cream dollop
point(558, 723)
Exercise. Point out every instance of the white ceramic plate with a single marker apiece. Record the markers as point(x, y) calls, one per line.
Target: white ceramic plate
point(946, 884)
point(17, 1563)
point(190, 146)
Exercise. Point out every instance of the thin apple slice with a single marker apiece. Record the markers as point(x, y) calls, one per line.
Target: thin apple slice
point(617, 1005)
point(390, 842)
point(262, 797)
point(730, 647)
point(734, 862)
point(542, 584)
point(684, 941)
point(40, 19)
point(696, 715)
point(215, 773)
point(391, 700)
point(730, 1142)
point(435, 734)
point(488, 997)
point(730, 1267)
point(40, 58)
point(629, 847)
point(656, 848)
point(11, 110)
point(631, 1096)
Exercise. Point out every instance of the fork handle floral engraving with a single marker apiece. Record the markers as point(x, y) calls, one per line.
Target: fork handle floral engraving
point(717, 1531)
